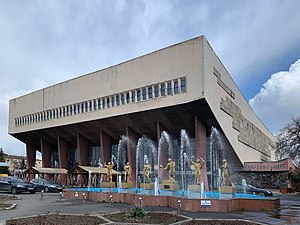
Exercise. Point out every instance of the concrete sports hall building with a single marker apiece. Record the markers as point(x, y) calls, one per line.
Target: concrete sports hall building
point(184, 86)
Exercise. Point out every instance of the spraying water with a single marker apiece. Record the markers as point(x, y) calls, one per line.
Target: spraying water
point(122, 147)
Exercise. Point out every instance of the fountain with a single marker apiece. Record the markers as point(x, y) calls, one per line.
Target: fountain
point(172, 170)
point(119, 184)
point(244, 185)
point(146, 155)
point(122, 148)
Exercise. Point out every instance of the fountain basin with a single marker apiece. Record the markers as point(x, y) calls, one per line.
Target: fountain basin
point(187, 204)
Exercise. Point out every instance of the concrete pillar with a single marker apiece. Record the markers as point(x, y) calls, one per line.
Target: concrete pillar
point(83, 148)
point(46, 153)
point(31, 157)
point(200, 136)
point(62, 157)
point(105, 146)
point(163, 154)
point(131, 151)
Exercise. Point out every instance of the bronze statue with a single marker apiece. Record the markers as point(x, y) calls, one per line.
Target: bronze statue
point(171, 167)
point(109, 166)
point(225, 174)
point(198, 166)
point(127, 172)
point(147, 172)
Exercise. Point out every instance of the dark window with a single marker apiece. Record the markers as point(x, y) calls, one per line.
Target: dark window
point(112, 101)
point(90, 106)
point(122, 99)
point(144, 93)
point(99, 103)
point(138, 95)
point(127, 98)
point(78, 108)
point(118, 99)
point(71, 111)
point(156, 91)
point(86, 106)
point(108, 102)
point(183, 85)
point(64, 111)
point(132, 96)
point(74, 108)
point(162, 89)
point(95, 104)
point(169, 88)
point(176, 90)
point(150, 92)
point(82, 107)
point(47, 116)
point(59, 113)
point(103, 103)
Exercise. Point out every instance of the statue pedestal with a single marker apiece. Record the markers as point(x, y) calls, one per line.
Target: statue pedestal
point(147, 185)
point(128, 185)
point(169, 185)
point(194, 187)
point(107, 184)
point(227, 189)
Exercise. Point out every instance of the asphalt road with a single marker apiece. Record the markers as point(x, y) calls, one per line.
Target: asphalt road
point(33, 204)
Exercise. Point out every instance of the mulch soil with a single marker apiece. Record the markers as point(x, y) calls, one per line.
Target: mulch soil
point(150, 218)
point(3, 199)
point(57, 219)
point(218, 222)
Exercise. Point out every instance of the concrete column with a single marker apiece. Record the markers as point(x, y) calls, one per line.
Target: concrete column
point(105, 146)
point(62, 157)
point(31, 157)
point(46, 153)
point(163, 154)
point(83, 148)
point(200, 136)
point(131, 151)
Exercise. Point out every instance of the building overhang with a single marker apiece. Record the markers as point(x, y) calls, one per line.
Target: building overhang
point(173, 118)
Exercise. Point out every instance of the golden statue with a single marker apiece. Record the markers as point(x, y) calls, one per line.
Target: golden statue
point(225, 174)
point(171, 167)
point(127, 169)
point(109, 166)
point(198, 166)
point(147, 172)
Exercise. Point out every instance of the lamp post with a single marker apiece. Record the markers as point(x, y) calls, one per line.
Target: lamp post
point(179, 206)
point(141, 202)
point(110, 200)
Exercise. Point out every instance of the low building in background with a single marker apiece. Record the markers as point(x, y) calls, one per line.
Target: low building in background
point(17, 164)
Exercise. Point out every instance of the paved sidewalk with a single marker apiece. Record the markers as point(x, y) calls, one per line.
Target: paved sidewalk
point(33, 205)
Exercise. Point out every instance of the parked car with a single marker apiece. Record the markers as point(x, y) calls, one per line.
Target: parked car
point(249, 189)
point(15, 185)
point(47, 185)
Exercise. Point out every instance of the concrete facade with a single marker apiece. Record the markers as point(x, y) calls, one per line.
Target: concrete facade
point(184, 86)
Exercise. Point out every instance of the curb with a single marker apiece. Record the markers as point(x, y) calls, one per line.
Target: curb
point(14, 205)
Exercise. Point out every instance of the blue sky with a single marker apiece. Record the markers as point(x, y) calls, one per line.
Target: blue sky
point(49, 41)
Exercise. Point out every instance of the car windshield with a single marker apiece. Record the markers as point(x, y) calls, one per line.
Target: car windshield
point(51, 182)
point(16, 180)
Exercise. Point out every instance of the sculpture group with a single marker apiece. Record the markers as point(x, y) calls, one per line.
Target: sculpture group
point(168, 172)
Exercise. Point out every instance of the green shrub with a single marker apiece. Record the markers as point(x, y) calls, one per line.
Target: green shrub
point(136, 212)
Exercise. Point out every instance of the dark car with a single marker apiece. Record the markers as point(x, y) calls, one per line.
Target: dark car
point(15, 185)
point(249, 189)
point(47, 185)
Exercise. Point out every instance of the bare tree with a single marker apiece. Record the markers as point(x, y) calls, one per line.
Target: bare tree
point(288, 141)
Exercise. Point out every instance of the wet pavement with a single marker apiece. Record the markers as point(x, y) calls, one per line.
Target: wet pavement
point(33, 204)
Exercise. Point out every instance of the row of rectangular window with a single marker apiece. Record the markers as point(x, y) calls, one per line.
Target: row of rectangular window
point(137, 95)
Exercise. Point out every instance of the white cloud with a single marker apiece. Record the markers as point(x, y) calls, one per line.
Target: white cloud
point(279, 98)
point(43, 43)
